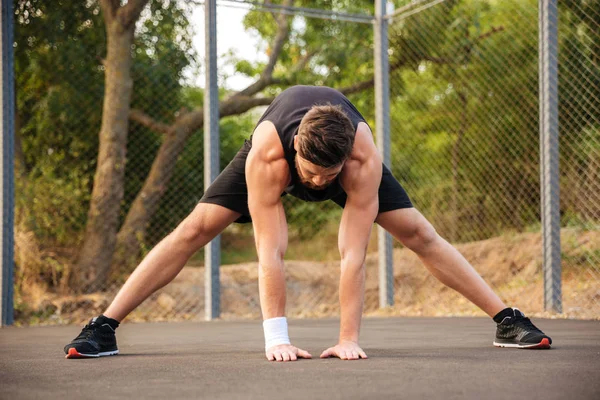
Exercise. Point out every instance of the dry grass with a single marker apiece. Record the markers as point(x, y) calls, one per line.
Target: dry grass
point(511, 264)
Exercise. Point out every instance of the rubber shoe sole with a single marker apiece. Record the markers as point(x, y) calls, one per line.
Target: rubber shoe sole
point(73, 353)
point(544, 344)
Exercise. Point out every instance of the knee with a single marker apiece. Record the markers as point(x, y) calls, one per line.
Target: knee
point(193, 229)
point(421, 237)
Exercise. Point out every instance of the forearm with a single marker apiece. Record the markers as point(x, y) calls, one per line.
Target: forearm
point(271, 284)
point(352, 287)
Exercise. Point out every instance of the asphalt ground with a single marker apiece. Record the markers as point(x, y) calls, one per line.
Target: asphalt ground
point(409, 358)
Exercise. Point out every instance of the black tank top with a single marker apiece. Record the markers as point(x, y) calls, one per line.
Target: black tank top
point(286, 112)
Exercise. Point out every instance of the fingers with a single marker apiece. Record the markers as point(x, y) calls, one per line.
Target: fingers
point(275, 356)
point(303, 354)
point(327, 353)
point(344, 352)
point(290, 353)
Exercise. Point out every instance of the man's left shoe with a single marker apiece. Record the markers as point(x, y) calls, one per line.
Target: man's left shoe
point(519, 332)
point(97, 339)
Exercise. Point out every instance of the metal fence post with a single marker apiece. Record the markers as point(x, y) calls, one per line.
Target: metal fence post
point(382, 122)
point(550, 189)
point(212, 251)
point(7, 164)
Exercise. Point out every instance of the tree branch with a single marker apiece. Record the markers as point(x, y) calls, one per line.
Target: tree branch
point(266, 76)
point(438, 60)
point(109, 9)
point(494, 30)
point(290, 79)
point(144, 119)
point(232, 106)
point(130, 12)
point(304, 61)
point(192, 120)
point(241, 104)
point(360, 86)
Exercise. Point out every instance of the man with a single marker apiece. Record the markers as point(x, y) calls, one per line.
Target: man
point(313, 144)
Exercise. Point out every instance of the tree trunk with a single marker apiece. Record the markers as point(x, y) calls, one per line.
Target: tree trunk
point(103, 216)
point(133, 231)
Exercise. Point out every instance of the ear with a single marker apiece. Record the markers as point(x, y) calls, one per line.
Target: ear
point(296, 143)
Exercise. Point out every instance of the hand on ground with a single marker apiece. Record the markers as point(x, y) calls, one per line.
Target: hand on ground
point(345, 350)
point(286, 352)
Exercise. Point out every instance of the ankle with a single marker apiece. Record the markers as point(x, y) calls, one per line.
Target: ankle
point(507, 312)
point(113, 323)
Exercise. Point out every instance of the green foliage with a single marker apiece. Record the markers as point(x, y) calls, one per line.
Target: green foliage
point(49, 203)
point(306, 220)
point(60, 87)
point(59, 99)
point(464, 115)
point(187, 185)
point(340, 53)
point(246, 68)
point(463, 107)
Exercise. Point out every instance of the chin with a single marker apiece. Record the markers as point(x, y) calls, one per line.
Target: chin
point(313, 187)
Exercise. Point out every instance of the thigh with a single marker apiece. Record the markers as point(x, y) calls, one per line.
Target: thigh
point(400, 223)
point(392, 195)
point(229, 190)
point(408, 226)
point(207, 221)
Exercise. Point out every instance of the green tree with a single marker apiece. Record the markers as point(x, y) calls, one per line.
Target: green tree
point(60, 91)
point(294, 56)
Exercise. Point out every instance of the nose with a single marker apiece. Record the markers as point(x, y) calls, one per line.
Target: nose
point(319, 180)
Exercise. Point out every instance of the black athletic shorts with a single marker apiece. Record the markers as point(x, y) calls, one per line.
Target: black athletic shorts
point(230, 191)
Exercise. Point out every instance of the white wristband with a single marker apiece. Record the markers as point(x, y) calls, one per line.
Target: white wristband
point(276, 332)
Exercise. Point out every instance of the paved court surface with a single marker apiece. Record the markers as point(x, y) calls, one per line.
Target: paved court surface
point(409, 358)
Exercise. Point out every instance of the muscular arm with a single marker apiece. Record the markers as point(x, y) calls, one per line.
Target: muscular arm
point(360, 178)
point(266, 176)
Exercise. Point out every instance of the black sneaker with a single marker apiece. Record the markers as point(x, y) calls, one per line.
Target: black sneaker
point(517, 331)
point(96, 339)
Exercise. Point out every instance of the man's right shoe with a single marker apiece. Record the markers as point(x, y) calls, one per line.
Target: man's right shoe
point(97, 339)
point(517, 331)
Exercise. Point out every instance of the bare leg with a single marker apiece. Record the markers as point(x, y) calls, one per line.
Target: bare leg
point(444, 262)
point(169, 256)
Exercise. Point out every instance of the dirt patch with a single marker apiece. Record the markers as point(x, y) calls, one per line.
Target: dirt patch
point(512, 265)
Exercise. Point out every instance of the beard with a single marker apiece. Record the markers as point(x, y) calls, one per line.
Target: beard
point(308, 183)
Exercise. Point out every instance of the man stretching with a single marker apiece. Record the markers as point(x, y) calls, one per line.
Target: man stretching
point(311, 143)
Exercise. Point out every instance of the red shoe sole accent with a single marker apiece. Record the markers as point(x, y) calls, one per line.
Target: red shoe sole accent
point(544, 344)
point(74, 354)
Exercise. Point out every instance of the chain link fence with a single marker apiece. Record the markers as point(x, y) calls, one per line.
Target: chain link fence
point(579, 119)
point(60, 50)
point(464, 123)
point(465, 137)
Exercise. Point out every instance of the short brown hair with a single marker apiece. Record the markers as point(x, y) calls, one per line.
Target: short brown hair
point(325, 136)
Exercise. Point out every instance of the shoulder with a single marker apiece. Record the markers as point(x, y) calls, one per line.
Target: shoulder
point(364, 164)
point(266, 142)
point(364, 147)
point(267, 155)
